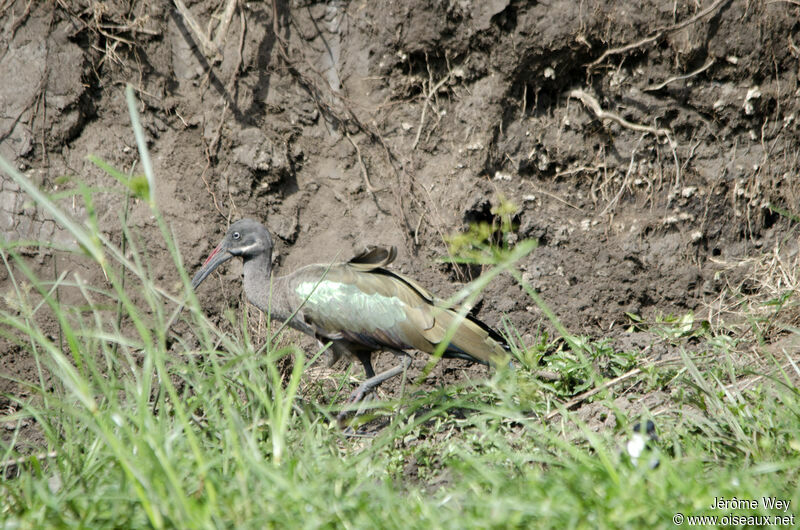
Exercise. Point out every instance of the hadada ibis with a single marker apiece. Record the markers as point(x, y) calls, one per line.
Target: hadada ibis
point(360, 307)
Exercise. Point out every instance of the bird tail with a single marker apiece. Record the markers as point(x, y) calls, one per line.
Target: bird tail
point(474, 340)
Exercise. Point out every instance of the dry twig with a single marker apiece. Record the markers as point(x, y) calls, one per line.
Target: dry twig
point(605, 386)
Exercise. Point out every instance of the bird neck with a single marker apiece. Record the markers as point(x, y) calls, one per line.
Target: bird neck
point(257, 276)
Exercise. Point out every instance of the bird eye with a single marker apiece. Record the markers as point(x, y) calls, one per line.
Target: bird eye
point(236, 235)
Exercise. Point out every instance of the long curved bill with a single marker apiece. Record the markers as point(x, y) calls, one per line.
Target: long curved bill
point(219, 256)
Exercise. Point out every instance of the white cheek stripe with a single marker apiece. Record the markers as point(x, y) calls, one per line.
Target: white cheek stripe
point(247, 248)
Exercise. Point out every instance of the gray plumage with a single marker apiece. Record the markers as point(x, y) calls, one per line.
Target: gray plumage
point(360, 306)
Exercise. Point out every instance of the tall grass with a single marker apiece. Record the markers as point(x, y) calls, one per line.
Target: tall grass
point(153, 417)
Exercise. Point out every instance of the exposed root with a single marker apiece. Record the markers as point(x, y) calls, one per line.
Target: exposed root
point(340, 114)
point(658, 34)
point(210, 49)
point(589, 101)
point(625, 181)
point(364, 173)
point(18, 22)
point(536, 189)
point(432, 90)
point(416, 230)
point(239, 59)
point(655, 88)
point(580, 169)
point(222, 30)
point(211, 152)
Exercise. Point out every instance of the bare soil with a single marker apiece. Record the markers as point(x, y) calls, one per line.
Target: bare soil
point(397, 123)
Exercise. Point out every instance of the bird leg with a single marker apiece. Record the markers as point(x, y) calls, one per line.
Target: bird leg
point(366, 361)
point(338, 351)
point(374, 380)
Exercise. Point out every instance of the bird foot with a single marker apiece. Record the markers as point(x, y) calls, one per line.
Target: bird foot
point(349, 432)
point(356, 396)
point(341, 418)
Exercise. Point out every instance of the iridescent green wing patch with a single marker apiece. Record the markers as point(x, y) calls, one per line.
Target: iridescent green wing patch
point(344, 306)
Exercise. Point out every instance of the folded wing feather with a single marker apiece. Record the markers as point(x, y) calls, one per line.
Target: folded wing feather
point(365, 303)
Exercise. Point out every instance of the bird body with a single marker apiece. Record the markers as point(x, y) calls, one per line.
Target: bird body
point(359, 306)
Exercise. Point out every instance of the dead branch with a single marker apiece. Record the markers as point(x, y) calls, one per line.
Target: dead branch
point(658, 34)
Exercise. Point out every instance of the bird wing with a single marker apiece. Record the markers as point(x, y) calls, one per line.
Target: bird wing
point(373, 257)
point(363, 302)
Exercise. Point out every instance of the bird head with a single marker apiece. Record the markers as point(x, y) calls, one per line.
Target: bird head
point(246, 238)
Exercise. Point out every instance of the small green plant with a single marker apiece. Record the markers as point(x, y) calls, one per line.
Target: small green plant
point(484, 243)
point(670, 326)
